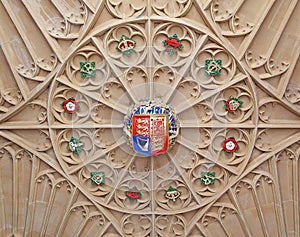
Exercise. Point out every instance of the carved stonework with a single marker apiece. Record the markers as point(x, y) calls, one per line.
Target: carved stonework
point(149, 118)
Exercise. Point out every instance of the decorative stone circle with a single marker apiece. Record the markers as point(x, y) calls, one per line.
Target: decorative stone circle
point(151, 127)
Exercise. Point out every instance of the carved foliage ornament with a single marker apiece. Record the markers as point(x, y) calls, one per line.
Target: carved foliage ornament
point(151, 128)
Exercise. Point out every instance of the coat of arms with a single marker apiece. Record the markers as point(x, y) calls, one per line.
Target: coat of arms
point(150, 136)
point(151, 128)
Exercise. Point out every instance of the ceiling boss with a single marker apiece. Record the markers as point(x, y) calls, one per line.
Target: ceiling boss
point(151, 128)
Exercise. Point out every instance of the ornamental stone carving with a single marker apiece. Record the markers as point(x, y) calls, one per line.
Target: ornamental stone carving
point(149, 118)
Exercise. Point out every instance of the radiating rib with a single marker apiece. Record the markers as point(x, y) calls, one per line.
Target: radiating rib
point(279, 30)
point(65, 219)
point(31, 197)
point(150, 58)
point(90, 6)
point(21, 125)
point(260, 213)
point(85, 126)
point(296, 174)
point(278, 205)
point(240, 213)
point(278, 125)
point(38, 20)
point(216, 124)
point(12, 48)
point(286, 77)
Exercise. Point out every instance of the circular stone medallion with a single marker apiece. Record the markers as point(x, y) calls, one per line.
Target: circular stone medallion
point(151, 128)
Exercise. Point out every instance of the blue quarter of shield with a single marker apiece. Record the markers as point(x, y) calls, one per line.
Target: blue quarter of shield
point(142, 145)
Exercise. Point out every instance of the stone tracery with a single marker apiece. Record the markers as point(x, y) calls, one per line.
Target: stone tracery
point(149, 72)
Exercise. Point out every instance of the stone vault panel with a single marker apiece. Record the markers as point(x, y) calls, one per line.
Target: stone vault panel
point(221, 75)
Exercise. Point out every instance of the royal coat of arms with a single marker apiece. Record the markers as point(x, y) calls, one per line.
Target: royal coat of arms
point(151, 128)
point(150, 136)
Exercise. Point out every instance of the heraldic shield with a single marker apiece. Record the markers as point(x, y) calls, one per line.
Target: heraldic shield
point(150, 134)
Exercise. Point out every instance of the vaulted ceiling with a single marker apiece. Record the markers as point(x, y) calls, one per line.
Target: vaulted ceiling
point(48, 189)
